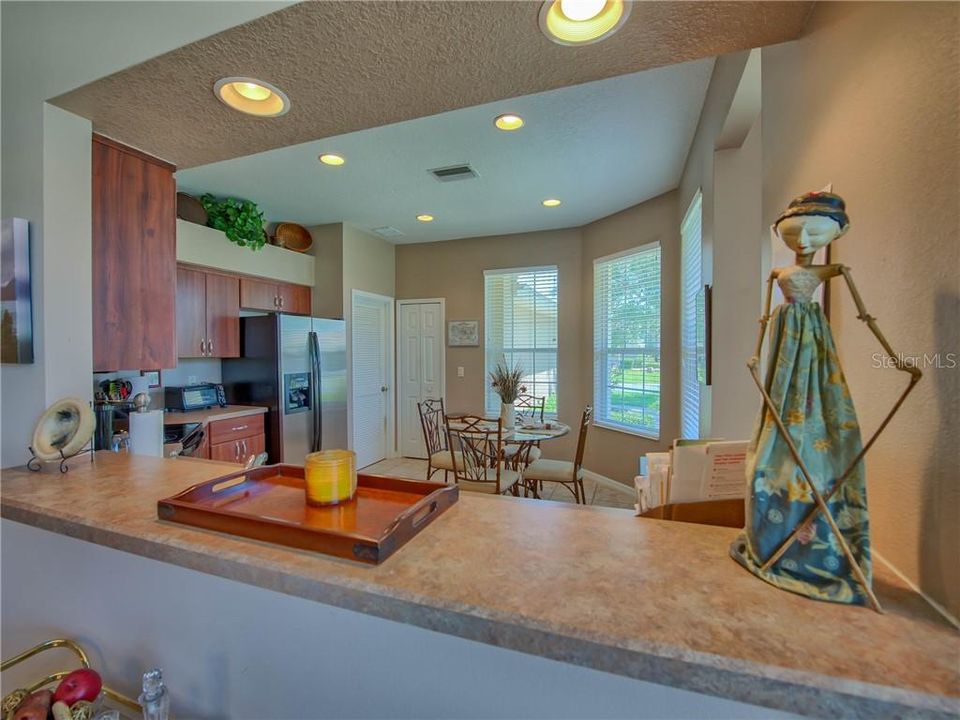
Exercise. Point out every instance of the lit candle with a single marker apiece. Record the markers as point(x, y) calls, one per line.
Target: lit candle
point(331, 476)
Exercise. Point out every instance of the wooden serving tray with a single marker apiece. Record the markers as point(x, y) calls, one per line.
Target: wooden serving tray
point(269, 503)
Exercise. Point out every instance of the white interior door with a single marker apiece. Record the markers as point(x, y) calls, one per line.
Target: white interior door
point(421, 369)
point(370, 362)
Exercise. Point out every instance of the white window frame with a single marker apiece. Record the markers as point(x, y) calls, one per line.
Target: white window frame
point(691, 285)
point(600, 350)
point(487, 367)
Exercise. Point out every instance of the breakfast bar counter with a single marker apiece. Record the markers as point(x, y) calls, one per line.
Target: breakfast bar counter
point(655, 601)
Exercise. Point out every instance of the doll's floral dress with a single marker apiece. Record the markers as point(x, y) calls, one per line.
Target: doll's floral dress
point(805, 381)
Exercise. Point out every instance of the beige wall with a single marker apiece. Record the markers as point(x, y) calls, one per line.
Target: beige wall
point(867, 100)
point(327, 251)
point(739, 241)
point(369, 264)
point(454, 270)
point(611, 452)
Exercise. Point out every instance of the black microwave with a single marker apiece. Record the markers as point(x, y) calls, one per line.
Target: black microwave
point(193, 397)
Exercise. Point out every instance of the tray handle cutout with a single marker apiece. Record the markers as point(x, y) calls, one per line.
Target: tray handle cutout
point(227, 484)
point(424, 513)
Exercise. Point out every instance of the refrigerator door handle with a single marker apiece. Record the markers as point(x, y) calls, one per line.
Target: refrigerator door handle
point(316, 392)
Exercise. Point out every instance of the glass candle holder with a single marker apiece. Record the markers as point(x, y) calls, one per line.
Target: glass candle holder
point(331, 476)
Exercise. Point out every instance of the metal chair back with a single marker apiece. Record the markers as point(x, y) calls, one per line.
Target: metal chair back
point(582, 439)
point(478, 440)
point(530, 406)
point(432, 421)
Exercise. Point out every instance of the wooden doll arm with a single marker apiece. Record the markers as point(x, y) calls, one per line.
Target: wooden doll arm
point(871, 322)
point(754, 361)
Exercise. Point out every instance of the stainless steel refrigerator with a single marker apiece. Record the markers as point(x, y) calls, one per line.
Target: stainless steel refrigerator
point(296, 367)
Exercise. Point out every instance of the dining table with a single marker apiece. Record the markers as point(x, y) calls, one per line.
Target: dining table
point(525, 434)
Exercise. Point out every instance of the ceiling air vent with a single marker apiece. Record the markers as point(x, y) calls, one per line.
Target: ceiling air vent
point(454, 172)
point(388, 232)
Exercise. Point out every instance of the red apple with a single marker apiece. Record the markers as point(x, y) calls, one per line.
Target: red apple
point(83, 684)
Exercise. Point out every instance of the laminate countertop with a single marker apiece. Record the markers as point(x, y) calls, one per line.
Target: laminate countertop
point(211, 414)
point(655, 600)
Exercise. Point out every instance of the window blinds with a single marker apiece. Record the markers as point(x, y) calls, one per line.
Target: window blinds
point(520, 326)
point(626, 341)
point(690, 287)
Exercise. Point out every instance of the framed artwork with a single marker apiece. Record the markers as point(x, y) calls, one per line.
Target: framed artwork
point(152, 376)
point(707, 341)
point(463, 333)
point(16, 341)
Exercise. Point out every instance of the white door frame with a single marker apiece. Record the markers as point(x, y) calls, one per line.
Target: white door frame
point(391, 368)
point(397, 410)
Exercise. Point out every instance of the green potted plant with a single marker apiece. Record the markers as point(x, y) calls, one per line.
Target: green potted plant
point(240, 220)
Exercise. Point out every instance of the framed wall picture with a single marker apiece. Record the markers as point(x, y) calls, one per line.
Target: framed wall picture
point(152, 376)
point(16, 314)
point(463, 333)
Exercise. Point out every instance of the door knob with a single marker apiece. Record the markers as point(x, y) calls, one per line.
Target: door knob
point(383, 388)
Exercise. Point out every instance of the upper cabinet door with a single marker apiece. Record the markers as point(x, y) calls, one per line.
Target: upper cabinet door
point(223, 316)
point(191, 312)
point(134, 259)
point(259, 295)
point(296, 299)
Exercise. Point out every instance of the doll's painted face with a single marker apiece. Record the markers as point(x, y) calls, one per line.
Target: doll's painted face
point(805, 234)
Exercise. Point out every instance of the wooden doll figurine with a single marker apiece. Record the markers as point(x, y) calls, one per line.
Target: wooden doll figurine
point(807, 526)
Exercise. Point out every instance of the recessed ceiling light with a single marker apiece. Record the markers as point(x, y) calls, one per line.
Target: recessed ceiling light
point(551, 202)
point(331, 159)
point(423, 217)
point(251, 96)
point(508, 121)
point(581, 10)
point(581, 22)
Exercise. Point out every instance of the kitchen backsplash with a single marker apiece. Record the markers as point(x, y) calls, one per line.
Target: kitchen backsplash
point(187, 372)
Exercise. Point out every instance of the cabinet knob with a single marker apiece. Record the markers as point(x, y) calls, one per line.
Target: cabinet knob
point(209, 347)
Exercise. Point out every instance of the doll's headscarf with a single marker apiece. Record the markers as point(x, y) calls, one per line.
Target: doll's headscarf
point(817, 203)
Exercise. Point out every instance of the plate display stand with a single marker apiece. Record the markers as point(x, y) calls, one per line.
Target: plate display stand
point(36, 464)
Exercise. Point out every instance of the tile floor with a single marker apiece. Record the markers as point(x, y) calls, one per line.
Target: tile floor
point(597, 494)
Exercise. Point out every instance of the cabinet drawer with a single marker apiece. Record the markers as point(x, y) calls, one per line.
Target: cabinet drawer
point(235, 428)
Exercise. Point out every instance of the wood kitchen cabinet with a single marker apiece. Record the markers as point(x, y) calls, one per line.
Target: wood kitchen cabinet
point(275, 297)
point(208, 314)
point(134, 259)
point(235, 440)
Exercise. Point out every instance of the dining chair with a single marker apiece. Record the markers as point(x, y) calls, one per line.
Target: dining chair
point(530, 406)
point(527, 406)
point(479, 463)
point(439, 456)
point(568, 474)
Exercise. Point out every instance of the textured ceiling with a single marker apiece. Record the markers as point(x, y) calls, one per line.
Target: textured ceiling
point(600, 147)
point(347, 66)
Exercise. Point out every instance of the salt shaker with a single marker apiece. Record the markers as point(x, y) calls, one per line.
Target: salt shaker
point(155, 700)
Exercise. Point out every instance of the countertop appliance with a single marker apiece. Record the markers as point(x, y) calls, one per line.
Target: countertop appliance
point(296, 367)
point(177, 398)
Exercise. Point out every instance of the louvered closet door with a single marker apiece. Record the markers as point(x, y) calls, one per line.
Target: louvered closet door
point(370, 374)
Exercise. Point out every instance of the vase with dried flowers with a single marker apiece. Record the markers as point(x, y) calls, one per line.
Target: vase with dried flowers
point(505, 380)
